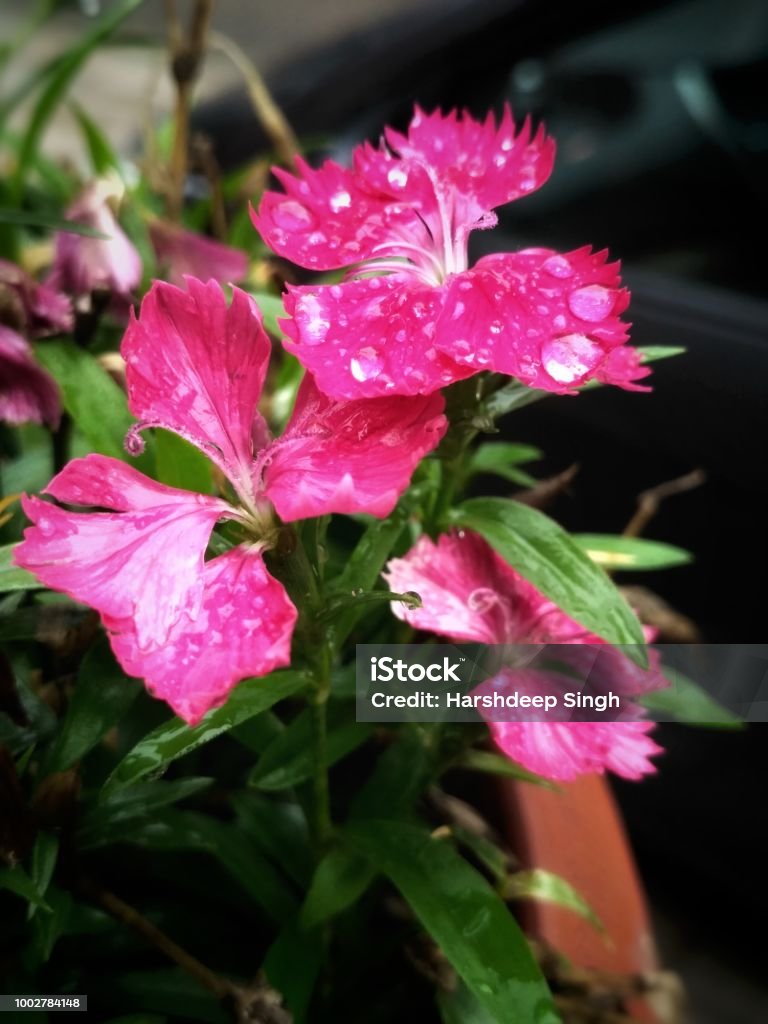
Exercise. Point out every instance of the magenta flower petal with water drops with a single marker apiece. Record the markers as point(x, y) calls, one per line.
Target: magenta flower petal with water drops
point(196, 366)
point(469, 593)
point(404, 214)
point(27, 393)
point(243, 627)
point(190, 627)
point(349, 456)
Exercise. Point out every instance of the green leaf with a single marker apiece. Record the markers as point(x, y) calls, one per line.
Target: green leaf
point(45, 853)
point(139, 801)
point(547, 887)
point(102, 155)
point(502, 459)
point(289, 758)
point(235, 851)
point(653, 353)
point(13, 578)
point(280, 829)
point(173, 739)
point(464, 916)
point(16, 880)
point(271, 307)
point(62, 73)
point(179, 464)
point(495, 764)
point(94, 401)
point(613, 552)
point(292, 966)
point(688, 702)
point(101, 697)
point(545, 555)
point(341, 877)
point(35, 219)
point(461, 1007)
point(166, 991)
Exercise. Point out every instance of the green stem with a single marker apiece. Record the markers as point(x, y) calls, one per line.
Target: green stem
point(322, 803)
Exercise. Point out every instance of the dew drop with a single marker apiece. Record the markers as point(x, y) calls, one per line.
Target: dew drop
point(496, 327)
point(592, 302)
point(341, 201)
point(315, 326)
point(570, 357)
point(366, 365)
point(558, 266)
point(397, 177)
point(292, 215)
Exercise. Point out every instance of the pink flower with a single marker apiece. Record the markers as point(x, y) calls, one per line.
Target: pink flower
point(182, 253)
point(404, 213)
point(31, 307)
point(469, 593)
point(84, 264)
point(27, 393)
point(194, 627)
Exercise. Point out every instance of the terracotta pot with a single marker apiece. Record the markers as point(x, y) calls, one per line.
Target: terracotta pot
point(577, 832)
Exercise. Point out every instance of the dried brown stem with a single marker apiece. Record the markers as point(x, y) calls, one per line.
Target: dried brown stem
point(186, 53)
point(269, 114)
point(648, 502)
point(543, 493)
point(222, 988)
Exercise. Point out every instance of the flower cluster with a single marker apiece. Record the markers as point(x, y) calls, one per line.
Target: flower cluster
point(409, 318)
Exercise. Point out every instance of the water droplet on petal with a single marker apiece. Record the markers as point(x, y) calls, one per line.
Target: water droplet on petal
point(592, 303)
point(496, 327)
point(570, 358)
point(558, 266)
point(397, 177)
point(292, 215)
point(315, 326)
point(366, 365)
point(341, 201)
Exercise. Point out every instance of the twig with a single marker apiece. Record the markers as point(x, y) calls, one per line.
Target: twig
point(649, 501)
point(222, 988)
point(269, 114)
point(186, 57)
point(544, 492)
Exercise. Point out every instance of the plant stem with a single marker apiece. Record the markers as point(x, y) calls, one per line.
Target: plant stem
point(322, 803)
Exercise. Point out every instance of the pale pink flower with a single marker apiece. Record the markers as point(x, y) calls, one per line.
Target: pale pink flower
point(181, 253)
point(469, 593)
point(426, 319)
point(31, 307)
point(84, 264)
point(27, 393)
point(194, 627)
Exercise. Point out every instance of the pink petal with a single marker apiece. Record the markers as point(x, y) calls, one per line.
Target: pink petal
point(182, 253)
point(241, 627)
point(141, 563)
point(551, 320)
point(325, 219)
point(349, 456)
point(482, 164)
point(370, 337)
point(467, 592)
point(39, 310)
point(83, 264)
point(562, 751)
point(197, 367)
point(27, 393)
